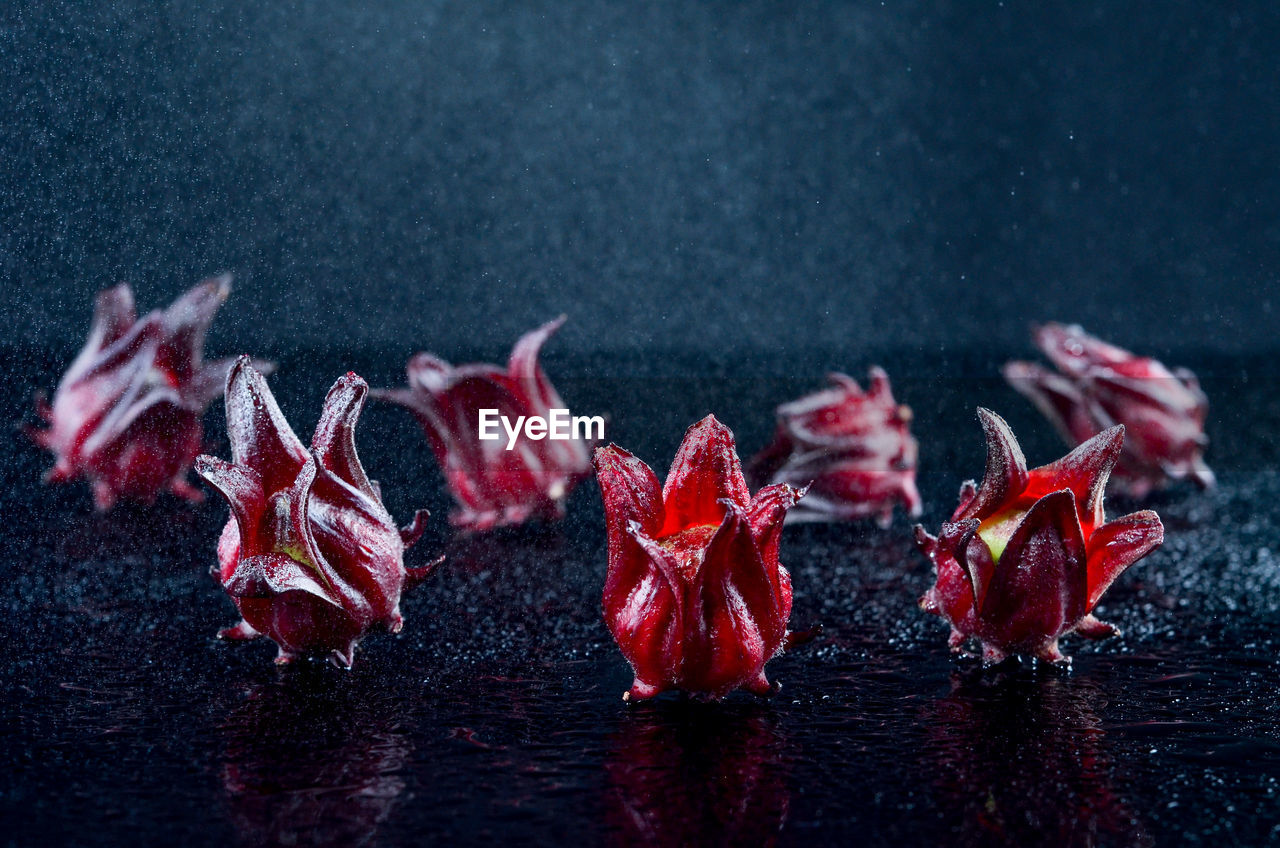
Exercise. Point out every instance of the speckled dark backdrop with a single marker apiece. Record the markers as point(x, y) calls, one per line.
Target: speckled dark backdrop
point(695, 175)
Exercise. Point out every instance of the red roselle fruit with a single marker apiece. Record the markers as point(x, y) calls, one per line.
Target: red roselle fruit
point(310, 556)
point(853, 449)
point(126, 415)
point(1098, 385)
point(695, 595)
point(492, 485)
point(1027, 555)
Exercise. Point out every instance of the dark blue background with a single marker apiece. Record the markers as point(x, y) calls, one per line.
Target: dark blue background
point(728, 176)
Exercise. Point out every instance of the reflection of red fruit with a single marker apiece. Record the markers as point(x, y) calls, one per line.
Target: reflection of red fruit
point(1021, 761)
point(126, 415)
point(1026, 557)
point(309, 768)
point(310, 556)
point(853, 449)
point(695, 596)
point(1099, 385)
point(492, 485)
point(694, 774)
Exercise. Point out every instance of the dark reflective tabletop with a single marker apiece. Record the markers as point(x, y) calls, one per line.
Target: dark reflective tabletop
point(497, 712)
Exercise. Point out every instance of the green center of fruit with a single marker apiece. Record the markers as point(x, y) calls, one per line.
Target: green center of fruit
point(296, 553)
point(998, 529)
point(284, 535)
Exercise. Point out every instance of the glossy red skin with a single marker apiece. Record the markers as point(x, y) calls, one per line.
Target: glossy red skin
point(310, 556)
point(853, 449)
point(494, 486)
point(126, 415)
point(695, 596)
point(1061, 553)
point(1098, 385)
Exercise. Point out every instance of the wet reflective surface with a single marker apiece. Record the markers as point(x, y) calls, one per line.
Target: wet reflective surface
point(497, 712)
